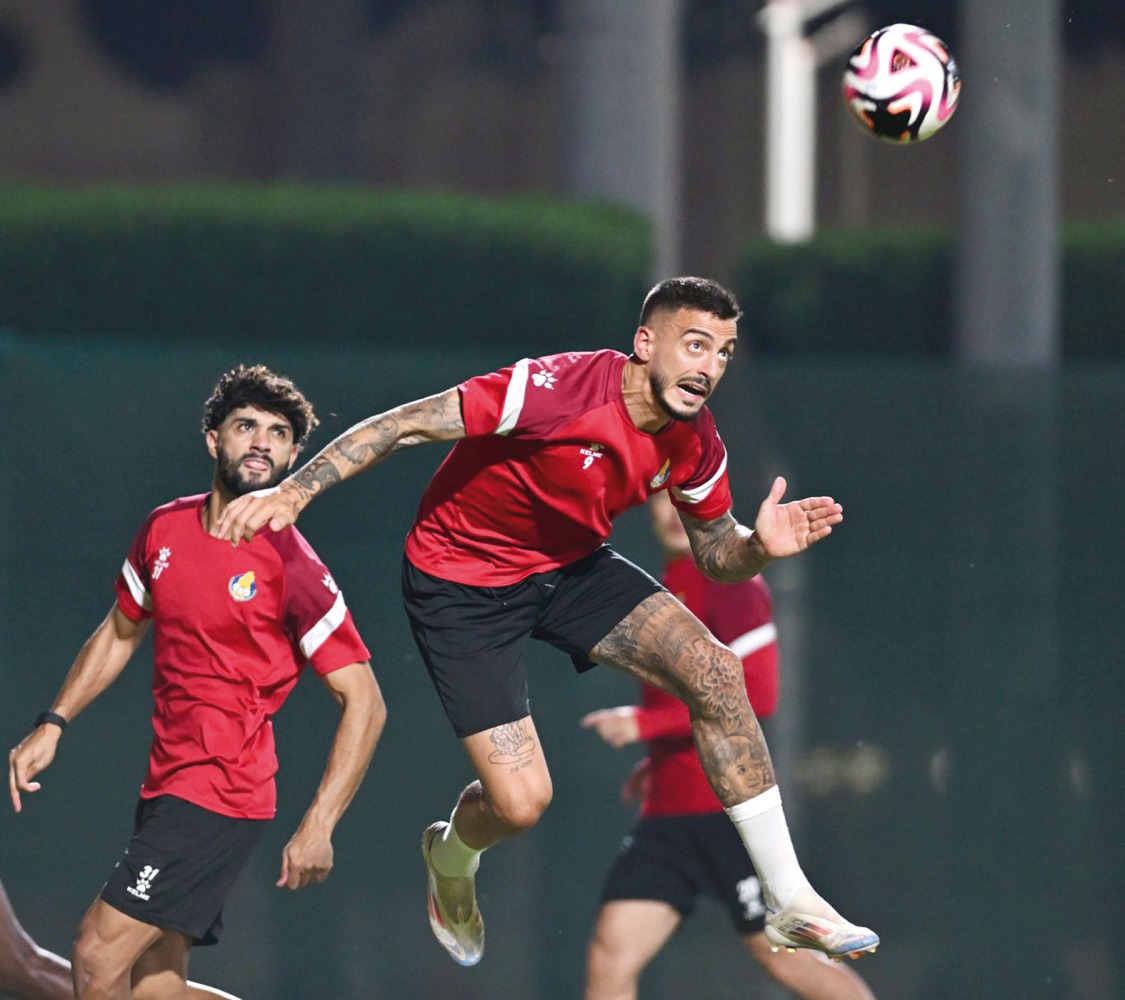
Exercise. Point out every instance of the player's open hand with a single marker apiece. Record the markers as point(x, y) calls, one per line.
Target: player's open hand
point(617, 726)
point(31, 756)
point(277, 506)
point(784, 529)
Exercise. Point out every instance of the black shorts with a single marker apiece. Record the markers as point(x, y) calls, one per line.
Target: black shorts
point(180, 865)
point(472, 638)
point(674, 859)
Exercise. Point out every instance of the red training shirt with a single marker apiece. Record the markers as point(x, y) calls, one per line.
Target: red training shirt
point(741, 616)
point(550, 458)
point(233, 627)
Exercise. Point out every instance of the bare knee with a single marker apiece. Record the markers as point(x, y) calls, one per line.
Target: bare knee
point(109, 944)
point(611, 970)
point(520, 811)
point(715, 689)
point(95, 975)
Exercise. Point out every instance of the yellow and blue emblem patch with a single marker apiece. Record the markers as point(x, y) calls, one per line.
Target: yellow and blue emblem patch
point(243, 586)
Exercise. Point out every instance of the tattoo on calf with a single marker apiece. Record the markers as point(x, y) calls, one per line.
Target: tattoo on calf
point(663, 644)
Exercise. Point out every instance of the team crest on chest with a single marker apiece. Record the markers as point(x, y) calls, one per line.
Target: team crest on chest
point(161, 563)
point(243, 586)
point(662, 476)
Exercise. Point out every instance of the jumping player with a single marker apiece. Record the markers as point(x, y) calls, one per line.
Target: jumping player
point(233, 630)
point(509, 542)
point(682, 845)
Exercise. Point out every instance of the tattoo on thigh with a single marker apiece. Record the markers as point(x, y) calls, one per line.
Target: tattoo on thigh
point(514, 747)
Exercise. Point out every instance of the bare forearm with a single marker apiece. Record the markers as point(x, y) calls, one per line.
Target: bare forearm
point(361, 725)
point(435, 418)
point(98, 664)
point(725, 550)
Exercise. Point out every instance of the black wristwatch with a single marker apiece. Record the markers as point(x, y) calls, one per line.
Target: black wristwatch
point(52, 717)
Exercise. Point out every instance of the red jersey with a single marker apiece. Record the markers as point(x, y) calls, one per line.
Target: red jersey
point(233, 627)
point(550, 458)
point(740, 615)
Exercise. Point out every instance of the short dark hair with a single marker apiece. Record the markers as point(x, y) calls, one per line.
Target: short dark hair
point(257, 386)
point(691, 293)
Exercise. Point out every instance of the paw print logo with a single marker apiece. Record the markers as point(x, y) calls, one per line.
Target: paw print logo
point(543, 380)
point(145, 877)
point(161, 563)
point(330, 583)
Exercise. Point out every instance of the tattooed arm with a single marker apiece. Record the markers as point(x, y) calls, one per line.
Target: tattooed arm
point(435, 418)
point(727, 551)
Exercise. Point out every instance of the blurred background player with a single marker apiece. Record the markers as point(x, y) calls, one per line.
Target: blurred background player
point(29, 972)
point(233, 629)
point(682, 845)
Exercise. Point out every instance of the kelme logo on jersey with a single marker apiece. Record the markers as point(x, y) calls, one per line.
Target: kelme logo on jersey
point(243, 586)
point(594, 451)
point(661, 477)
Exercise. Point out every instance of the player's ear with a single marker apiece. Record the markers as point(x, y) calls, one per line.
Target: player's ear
point(293, 456)
point(642, 342)
point(211, 438)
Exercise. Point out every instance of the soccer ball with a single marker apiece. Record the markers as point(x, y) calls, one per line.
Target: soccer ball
point(901, 83)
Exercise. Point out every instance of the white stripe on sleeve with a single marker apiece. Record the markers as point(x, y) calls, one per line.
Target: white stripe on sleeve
point(315, 637)
point(513, 399)
point(698, 493)
point(755, 639)
point(136, 588)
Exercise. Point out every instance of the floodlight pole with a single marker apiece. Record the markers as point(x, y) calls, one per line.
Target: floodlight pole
point(792, 59)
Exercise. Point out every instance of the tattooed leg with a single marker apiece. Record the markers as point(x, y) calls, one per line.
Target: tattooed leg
point(514, 786)
point(664, 644)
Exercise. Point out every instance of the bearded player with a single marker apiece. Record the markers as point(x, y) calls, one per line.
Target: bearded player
point(233, 629)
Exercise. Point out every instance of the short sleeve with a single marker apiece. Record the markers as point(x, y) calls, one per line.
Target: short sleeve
point(492, 404)
point(705, 494)
point(134, 582)
point(316, 614)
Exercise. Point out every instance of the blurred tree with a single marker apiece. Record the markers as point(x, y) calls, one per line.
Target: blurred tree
point(165, 42)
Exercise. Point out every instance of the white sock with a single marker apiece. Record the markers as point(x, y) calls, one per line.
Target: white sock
point(760, 822)
point(451, 856)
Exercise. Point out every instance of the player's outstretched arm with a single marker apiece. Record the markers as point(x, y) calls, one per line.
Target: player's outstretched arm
point(26, 970)
point(308, 856)
point(617, 726)
point(727, 551)
point(97, 666)
point(435, 418)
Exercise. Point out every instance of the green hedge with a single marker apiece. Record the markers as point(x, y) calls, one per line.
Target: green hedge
point(297, 264)
point(892, 291)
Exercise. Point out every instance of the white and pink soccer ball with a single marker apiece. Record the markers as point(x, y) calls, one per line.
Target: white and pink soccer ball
point(901, 83)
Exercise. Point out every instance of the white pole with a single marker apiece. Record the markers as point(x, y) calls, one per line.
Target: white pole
point(791, 64)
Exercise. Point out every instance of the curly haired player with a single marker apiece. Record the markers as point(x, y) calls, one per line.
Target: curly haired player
point(233, 629)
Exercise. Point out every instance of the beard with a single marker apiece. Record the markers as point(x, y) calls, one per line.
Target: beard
point(236, 482)
point(659, 386)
